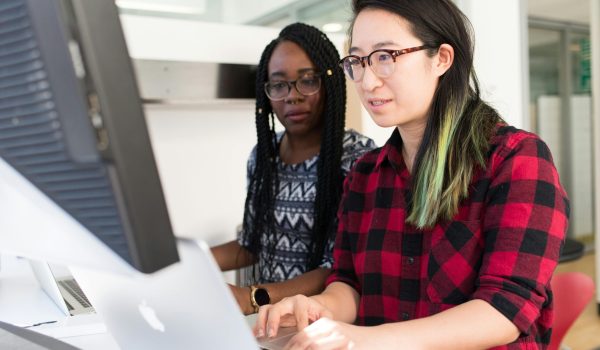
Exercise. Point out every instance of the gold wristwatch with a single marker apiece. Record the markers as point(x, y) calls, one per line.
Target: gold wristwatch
point(259, 297)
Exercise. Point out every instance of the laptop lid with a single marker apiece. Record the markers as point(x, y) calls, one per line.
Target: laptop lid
point(61, 288)
point(45, 278)
point(183, 306)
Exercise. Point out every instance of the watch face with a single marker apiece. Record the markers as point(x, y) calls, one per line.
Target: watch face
point(262, 296)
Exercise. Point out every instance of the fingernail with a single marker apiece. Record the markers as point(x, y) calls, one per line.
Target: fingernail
point(270, 332)
point(261, 333)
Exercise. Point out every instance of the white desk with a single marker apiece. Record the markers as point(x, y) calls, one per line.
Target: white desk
point(24, 303)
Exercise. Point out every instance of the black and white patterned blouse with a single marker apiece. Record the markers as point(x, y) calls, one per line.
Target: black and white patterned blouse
point(294, 212)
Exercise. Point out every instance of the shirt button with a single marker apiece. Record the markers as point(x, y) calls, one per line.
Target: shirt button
point(410, 260)
point(405, 316)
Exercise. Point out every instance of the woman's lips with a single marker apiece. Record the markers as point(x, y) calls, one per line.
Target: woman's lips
point(377, 103)
point(297, 115)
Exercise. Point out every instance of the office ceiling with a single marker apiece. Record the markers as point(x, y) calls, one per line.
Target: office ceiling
point(316, 12)
point(575, 11)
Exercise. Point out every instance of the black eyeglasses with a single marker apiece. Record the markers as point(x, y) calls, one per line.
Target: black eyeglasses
point(381, 62)
point(308, 84)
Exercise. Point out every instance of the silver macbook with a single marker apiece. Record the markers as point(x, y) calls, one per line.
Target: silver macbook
point(61, 288)
point(183, 306)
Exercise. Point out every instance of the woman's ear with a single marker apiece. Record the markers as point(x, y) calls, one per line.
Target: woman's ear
point(444, 59)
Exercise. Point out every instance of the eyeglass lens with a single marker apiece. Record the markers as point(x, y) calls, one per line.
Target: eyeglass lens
point(381, 62)
point(306, 85)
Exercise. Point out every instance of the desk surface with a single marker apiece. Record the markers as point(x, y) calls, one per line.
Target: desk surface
point(23, 303)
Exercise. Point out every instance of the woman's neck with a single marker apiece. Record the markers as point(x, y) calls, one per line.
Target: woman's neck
point(293, 150)
point(411, 141)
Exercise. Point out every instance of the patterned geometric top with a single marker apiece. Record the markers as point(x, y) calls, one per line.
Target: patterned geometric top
point(501, 247)
point(294, 210)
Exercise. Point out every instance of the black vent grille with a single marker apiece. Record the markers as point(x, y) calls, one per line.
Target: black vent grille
point(31, 137)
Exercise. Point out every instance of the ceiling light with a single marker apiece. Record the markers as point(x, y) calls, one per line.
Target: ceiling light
point(144, 6)
point(332, 27)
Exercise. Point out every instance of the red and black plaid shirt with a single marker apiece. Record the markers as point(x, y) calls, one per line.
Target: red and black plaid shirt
point(501, 247)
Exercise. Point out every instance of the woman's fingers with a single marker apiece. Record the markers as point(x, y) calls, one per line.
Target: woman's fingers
point(270, 316)
point(273, 317)
point(296, 311)
point(324, 334)
point(301, 314)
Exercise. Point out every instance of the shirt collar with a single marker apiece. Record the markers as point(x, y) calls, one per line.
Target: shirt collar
point(392, 152)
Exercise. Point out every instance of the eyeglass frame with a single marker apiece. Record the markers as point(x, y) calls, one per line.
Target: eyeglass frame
point(393, 53)
point(294, 82)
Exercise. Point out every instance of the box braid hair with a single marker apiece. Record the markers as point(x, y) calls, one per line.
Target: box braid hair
point(261, 197)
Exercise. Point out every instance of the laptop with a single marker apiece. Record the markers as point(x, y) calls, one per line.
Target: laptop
point(183, 306)
point(61, 288)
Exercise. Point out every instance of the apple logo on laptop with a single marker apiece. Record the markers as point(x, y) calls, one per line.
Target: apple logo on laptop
point(150, 316)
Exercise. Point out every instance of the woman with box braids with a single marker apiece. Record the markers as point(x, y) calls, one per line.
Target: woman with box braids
point(295, 176)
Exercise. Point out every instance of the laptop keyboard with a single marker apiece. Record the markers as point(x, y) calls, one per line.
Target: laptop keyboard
point(73, 288)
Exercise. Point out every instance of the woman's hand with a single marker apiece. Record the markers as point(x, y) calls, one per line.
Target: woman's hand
point(328, 334)
point(298, 311)
point(242, 296)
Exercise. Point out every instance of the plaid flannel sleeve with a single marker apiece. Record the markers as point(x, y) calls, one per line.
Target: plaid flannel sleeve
point(525, 222)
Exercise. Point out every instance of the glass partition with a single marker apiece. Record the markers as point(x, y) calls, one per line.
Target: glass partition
point(560, 111)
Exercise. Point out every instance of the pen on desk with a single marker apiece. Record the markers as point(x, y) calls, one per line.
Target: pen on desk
point(40, 323)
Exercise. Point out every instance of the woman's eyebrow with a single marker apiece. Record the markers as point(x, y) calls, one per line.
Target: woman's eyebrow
point(374, 47)
point(280, 74)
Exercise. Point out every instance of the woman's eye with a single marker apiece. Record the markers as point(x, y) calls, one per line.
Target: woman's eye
point(309, 81)
point(385, 57)
point(278, 85)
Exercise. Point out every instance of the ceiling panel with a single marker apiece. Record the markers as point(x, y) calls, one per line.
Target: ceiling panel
point(576, 11)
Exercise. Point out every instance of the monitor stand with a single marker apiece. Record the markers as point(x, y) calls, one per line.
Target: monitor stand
point(13, 337)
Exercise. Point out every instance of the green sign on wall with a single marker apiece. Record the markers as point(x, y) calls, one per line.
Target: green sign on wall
point(585, 69)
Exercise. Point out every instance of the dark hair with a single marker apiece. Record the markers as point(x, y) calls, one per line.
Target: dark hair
point(460, 124)
point(260, 198)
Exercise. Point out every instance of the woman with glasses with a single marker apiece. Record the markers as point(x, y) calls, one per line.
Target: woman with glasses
point(448, 234)
point(295, 177)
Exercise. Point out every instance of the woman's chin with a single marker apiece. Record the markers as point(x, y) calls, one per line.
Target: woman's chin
point(384, 122)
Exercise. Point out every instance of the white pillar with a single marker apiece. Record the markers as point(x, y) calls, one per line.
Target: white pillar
point(502, 55)
point(595, 38)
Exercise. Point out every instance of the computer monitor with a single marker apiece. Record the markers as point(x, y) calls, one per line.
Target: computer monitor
point(76, 163)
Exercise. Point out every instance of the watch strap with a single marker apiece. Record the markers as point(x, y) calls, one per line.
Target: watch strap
point(253, 300)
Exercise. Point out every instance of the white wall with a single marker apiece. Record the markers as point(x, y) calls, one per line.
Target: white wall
point(201, 153)
point(501, 55)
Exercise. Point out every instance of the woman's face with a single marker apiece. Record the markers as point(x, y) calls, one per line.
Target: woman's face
point(300, 115)
point(404, 98)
